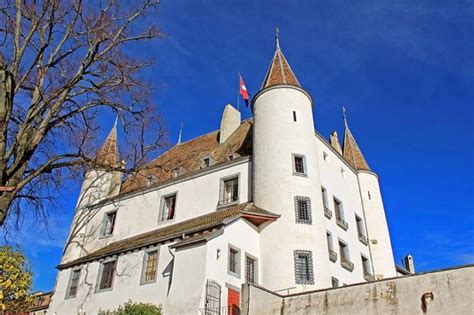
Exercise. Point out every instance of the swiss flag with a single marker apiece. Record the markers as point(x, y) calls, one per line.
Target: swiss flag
point(243, 91)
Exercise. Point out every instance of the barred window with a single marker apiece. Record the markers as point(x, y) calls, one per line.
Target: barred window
point(250, 275)
point(168, 208)
point(74, 283)
point(151, 266)
point(303, 210)
point(304, 267)
point(107, 275)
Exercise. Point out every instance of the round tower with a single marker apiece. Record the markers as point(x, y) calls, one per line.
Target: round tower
point(286, 181)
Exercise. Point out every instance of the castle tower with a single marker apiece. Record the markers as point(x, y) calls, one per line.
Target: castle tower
point(100, 181)
point(376, 222)
point(283, 130)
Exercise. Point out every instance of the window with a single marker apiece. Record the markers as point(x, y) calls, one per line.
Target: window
point(335, 282)
point(73, 283)
point(303, 267)
point(207, 162)
point(339, 211)
point(303, 210)
point(168, 208)
point(234, 261)
point(150, 266)
point(294, 116)
point(250, 272)
point(107, 275)
point(361, 230)
point(299, 165)
point(345, 259)
point(365, 265)
point(327, 212)
point(108, 223)
point(332, 253)
point(368, 195)
point(229, 191)
point(325, 156)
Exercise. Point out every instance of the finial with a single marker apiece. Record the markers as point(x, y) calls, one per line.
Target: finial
point(180, 133)
point(277, 37)
point(344, 115)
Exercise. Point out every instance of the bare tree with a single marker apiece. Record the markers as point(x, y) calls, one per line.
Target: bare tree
point(65, 63)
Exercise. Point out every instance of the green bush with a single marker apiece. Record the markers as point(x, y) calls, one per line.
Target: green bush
point(133, 308)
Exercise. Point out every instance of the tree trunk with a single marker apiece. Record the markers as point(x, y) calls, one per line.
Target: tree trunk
point(6, 199)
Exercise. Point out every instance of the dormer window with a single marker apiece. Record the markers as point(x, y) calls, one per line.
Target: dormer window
point(207, 161)
point(230, 157)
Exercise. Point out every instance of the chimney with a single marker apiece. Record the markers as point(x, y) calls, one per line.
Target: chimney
point(229, 123)
point(408, 263)
point(335, 142)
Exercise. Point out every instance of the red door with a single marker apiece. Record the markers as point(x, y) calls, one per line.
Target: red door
point(233, 301)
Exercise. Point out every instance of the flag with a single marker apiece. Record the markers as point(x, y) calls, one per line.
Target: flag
point(243, 91)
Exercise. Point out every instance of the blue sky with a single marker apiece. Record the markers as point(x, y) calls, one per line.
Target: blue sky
point(403, 69)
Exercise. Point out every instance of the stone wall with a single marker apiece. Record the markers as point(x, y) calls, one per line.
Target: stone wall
point(447, 291)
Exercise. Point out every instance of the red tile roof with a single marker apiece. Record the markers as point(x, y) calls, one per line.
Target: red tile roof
point(352, 153)
point(279, 72)
point(108, 154)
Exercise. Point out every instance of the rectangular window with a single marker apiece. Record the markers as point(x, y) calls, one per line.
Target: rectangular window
point(365, 265)
point(303, 210)
point(168, 208)
point(229, 191)
point(234, 261)
point(299, 167)
point(335, 282)
point(303, 267)
point(107, 275)
point(332, 253)
point(344, 251)
point(73, 283)
point(251, 266)
point(361, 230)
point(294, 115)
point(325, 198)
point(150, 266)
point(108, 224)
point(338, 209)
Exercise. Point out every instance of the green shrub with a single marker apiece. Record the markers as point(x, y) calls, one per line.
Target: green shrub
point(134, 308)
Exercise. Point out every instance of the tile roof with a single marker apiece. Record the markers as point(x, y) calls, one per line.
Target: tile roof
point(210, 220)
point(352, 153)
point(40, 301)
point(108, 154)
point(188, 156)
point(279, 71)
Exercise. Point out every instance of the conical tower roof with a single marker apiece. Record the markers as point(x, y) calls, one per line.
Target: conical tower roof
point(108, 154)
point(279, 71)
point(352, 153)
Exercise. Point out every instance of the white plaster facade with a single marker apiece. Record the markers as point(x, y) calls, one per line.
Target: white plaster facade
point(283, 127)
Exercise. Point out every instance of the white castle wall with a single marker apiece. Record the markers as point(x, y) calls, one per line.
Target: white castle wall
point(276, 138)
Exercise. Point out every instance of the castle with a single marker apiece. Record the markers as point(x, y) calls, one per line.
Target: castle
point(266, 200)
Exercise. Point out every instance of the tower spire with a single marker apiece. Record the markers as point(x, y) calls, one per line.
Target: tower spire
point(279, 71)
point(108, 154)
point(352, 153)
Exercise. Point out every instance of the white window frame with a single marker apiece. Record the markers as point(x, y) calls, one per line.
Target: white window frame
point(146, 253)
point(238, 259)
point(305, 168)
point(100, 274)
point(163, 204)
point(71, 275)
point(104, 224)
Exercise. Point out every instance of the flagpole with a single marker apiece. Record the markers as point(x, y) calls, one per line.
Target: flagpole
point(238, 91)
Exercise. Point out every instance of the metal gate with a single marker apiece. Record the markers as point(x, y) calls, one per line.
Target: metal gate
point(213, 298)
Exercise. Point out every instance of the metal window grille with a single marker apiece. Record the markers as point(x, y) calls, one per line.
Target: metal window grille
point(303, 210)
point(213, 298)
point(250, 270)
point(74, 283)
point(169, 206)
point(299, 165)
point(304, 267)
point(233, 260)
point(107, 277)
point(151, 264)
